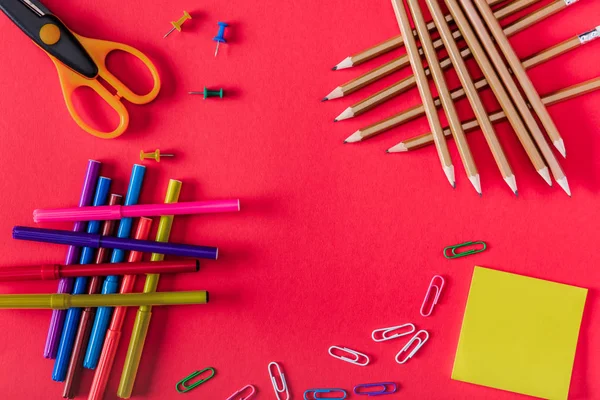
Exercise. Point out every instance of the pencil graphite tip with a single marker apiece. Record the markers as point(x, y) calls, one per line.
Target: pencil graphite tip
point(564, 184)
point(355, 137)
point(335, 93)
point(545, 173)
point(560, 146)
point(345, 63)
point(400, 147)
point(347, 113)
point(324, 99)
point(335, 120)
point(512, 183)
point(449, 171)
point(476, 182)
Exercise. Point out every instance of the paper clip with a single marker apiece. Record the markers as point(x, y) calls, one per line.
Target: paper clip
point(315, 392)
point(239, 392)
point(183, 383)
point(433, 287)
point(384, 388)
point(284, 387)
point(454, 254)
point(354, 360)
point(386, 331)
point(420, 344)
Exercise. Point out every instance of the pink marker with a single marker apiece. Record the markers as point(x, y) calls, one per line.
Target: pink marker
point(106, 213)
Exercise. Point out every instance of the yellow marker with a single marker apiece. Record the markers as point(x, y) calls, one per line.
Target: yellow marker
point(155, 155)
point(64, 301)
point(144, 314)
point(177, 24)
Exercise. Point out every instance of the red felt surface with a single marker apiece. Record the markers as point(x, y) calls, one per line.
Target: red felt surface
point(333, 240)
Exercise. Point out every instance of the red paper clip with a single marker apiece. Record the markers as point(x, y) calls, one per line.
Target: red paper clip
point(433, 287)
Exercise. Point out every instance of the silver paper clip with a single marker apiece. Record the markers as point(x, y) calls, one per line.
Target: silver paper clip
point(354, 360)
point(284, 387)
point(433, 287)
point(383, 334)
point(420, 343)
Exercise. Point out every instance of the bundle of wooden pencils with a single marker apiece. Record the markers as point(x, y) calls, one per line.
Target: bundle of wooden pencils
point(475, 23)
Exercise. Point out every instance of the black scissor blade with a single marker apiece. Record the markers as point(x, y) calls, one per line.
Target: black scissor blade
point(68, 49)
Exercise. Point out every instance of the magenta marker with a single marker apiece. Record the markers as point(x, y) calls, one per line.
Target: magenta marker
point(106, 213)
point(65, 285)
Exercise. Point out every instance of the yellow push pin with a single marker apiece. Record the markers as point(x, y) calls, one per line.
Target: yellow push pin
point(155, 155)
point(177, 24)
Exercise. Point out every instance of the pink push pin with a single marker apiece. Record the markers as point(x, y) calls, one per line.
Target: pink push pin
point(435, 287)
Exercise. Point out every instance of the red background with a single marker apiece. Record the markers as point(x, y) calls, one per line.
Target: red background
point(333, 240)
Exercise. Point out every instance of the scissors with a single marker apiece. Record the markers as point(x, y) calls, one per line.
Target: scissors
point(80, 61)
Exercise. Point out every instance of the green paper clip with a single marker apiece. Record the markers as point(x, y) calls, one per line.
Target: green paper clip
point(183, 383)
point(454, 254)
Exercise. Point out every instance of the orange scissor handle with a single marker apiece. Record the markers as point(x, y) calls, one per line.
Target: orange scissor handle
point(98, 51)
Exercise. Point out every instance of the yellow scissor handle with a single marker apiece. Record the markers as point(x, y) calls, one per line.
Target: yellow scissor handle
point(98, 51)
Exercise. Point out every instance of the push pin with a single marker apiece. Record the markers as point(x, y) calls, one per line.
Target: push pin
point(177, 24)
point(155, 155)
point(210, 93)
point(219, 38)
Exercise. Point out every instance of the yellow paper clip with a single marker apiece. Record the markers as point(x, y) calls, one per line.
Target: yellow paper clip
point(420, 343)
point(183, 387)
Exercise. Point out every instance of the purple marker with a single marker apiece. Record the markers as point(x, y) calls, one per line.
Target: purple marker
point(65, 285)
point(96, 241)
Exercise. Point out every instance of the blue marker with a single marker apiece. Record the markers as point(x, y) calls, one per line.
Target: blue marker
point(111, 284)
point(220, 36)
point(67, 337)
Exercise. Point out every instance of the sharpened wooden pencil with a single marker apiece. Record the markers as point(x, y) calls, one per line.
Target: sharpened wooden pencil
point(502, 70)
point(417, 111)
point(397, 41)
point(471, 91)
point(530, 91)
point(444, 93)
point(402, 62)
point(424, 91)
point(471, 125)
point(402, 86)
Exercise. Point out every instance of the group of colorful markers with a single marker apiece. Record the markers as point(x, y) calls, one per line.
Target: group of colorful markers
point(85, 328)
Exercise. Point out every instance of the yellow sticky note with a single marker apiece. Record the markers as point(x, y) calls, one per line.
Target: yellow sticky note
point(519, 334)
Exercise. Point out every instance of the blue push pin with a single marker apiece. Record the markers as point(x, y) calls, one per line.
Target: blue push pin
point(219, 38)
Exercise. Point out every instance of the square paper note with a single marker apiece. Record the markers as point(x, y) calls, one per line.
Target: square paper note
point(519, 334)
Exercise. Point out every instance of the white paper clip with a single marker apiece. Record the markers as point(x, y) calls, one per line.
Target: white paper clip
point(354, 360)
point(420, 344)
point(383, 334)
point(284, 387)
point(438, 291)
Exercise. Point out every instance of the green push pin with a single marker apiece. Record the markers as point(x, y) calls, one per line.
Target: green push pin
point(210, 93)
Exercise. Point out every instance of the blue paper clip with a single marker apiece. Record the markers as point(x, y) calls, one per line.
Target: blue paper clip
point(315, 392)
point(384, 388)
